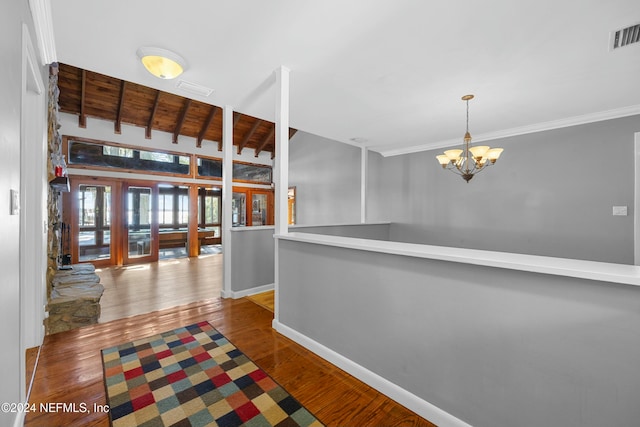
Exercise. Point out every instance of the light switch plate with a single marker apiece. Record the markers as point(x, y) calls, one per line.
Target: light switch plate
point(620, 210)
point(15, 202)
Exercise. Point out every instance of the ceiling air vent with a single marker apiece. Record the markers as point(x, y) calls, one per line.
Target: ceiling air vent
point(625, 36)
point(194, 88)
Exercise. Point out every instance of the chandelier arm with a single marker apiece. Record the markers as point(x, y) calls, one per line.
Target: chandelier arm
point(477, 171)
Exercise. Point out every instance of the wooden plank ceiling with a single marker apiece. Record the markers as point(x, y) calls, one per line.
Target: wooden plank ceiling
point(89, 94)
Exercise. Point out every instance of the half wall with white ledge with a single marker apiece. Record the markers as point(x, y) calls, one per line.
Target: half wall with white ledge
point(469, 337)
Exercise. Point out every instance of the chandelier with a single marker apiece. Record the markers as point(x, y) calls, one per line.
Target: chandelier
point(470, 160)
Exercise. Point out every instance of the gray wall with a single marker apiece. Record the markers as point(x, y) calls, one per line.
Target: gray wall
point(493, 347)
point(360, 231)
point(252, 250)
point(326, 175)
point(551, 193)
point(14, 13)
point(252, 258)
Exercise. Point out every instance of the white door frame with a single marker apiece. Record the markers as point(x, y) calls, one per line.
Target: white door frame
point(33, 204)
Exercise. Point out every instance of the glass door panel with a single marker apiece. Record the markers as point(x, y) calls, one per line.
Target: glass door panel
point(238, 210)
point(209, 216)
point(259, 209)
point(139, 216)
point(94, 222)
point(173, 212)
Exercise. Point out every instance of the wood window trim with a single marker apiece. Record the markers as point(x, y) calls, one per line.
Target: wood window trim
point(65, 149)
point(249, 192)
point(193, 158)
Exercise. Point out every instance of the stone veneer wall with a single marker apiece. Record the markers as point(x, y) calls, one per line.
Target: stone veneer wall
point(73, 296)
point(54, 200)
point(75, 299)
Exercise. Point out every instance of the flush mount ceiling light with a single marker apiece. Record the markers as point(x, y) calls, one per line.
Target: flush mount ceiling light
point(470, 160)
point(162, 63)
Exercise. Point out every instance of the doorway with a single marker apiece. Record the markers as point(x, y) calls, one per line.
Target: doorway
point(92, 225)
point(141, 223)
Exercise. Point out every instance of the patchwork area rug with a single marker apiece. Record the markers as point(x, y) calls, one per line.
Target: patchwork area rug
point(193, 376)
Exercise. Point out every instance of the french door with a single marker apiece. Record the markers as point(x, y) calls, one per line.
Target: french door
point(140, 237)
point(91, 220)
point(119, 222)
point(112, 222)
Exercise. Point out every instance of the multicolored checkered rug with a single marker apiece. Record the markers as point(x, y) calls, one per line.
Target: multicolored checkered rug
point(193, 376)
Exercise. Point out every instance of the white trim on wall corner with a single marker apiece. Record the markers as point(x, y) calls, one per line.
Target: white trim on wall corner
point(247, 292)
point(400, 395)
point(522, 130)
point(19, 420)
point(43, 22)
point(636, 201)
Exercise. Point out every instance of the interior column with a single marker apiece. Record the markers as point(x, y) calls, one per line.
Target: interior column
point(227, 197)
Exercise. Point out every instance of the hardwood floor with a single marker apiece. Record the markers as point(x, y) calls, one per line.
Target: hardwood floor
point(138, 289)
point(264, 299)
point(69, 369)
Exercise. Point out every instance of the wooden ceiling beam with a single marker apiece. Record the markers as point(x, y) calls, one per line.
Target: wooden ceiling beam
point(205, 126)
point(181, 121)
point(266, 140)
point(147, 131)
point(88, 94)
point(82, 118)
point(248, 135)
point(118, 124)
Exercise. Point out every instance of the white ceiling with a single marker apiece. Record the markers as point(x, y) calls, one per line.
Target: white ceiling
point(391, 72)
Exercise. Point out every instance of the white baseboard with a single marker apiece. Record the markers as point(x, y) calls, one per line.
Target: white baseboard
point(400, 395)
point(247, 292)
point(20, 417)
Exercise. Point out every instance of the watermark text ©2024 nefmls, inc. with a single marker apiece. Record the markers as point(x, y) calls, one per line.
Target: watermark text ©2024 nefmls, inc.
point(54, 407)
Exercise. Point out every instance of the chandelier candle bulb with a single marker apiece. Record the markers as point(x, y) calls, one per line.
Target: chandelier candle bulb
point(470, 160)
point(444, 160)
point(479, 151)
point(453, 154)
point(494, 154)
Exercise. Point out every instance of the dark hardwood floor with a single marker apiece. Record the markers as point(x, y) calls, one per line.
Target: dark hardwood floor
point(69, 370)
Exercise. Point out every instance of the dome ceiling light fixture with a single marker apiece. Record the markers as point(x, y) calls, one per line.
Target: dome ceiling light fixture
point(470, 160)
point(162, 63)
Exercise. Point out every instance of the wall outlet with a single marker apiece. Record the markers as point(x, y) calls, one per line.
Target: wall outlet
point(620, 211)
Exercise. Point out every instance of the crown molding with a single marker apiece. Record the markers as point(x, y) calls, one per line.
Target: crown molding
point(387, 151)
point(43, 22)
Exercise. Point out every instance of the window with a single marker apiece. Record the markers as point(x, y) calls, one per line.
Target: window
point(110, 156)
point(116, 157)
point(173, 207)
point(251, 173)
point(117, 151)
point(165, 213)
point(209, 167)
point(208, 206)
